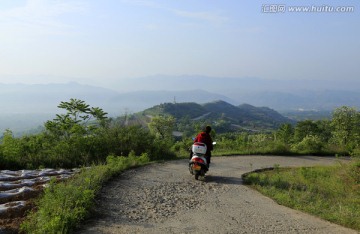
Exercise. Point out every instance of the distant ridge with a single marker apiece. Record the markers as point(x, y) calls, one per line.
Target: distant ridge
point(281, 95)
point(44, 98)
point(25, 106)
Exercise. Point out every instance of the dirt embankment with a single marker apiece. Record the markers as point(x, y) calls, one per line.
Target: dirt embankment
point(165, 198)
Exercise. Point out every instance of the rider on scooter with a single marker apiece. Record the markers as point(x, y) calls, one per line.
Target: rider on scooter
point(205, 137)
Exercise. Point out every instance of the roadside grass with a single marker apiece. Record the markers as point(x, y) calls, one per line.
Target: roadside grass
point(225, 152)
point(329, 192)
point(64, 205)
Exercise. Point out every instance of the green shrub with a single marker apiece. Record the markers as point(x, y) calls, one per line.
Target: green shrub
point(355, 152)
point(64, 205)
point(309, 145)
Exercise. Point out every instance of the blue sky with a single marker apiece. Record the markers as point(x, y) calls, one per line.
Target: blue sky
point(101, 42)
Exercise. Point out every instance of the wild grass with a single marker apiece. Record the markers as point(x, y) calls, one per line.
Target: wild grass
point(332, 192)
point(65, 205)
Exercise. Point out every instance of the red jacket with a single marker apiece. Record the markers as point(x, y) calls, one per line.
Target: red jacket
point(205, 138)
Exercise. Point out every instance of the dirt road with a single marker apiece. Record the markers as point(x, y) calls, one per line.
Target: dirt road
point(165, 198)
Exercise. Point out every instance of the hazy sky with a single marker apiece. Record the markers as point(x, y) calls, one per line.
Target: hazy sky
point(100, 41)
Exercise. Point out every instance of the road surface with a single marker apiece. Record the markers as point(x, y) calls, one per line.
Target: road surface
point(165, 198)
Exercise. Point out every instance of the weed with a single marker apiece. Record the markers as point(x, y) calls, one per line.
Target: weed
point(331, 193)
point(64, 205)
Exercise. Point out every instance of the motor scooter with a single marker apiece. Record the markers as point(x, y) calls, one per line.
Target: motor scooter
point(198, 164)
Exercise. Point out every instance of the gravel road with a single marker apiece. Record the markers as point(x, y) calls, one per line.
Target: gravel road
point(165, 198)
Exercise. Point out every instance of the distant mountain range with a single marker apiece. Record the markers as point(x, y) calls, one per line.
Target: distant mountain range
point(39, 101)
point(44, 98)
point(24, 107)
point(134, 95)
point(281, 95)
point(224, 84)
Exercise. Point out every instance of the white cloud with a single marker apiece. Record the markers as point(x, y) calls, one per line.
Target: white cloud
point(37, 17)
point(211, 17)
point(207, 16)
point(143, 3)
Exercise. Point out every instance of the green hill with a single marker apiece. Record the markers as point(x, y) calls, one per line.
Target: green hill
point(178, 110)
point(222, 113)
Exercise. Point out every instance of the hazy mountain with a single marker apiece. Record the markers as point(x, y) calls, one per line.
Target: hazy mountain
point(232, 84)
point(145, 92)
point(44, 98)
point(140, 100)
point(24, 107)
point(37, 103)
point(276, 94)
point(302, 100)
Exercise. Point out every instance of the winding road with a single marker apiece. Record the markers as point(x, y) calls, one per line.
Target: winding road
point(165, 198)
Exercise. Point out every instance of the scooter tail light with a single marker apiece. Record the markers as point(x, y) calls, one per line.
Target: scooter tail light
point(199, 160)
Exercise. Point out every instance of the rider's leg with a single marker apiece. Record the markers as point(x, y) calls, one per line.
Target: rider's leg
point(208, 158)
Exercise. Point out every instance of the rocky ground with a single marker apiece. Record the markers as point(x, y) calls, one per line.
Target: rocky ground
point(165, 198)
point(17, 190)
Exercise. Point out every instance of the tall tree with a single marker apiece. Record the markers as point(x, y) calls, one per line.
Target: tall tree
point(305, 128)
point(346, 124)
point(162, 126)
point(80, 119)
point(285, 133)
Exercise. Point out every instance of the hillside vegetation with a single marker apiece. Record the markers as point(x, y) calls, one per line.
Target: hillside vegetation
point(85, 136)
point(224, 116)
